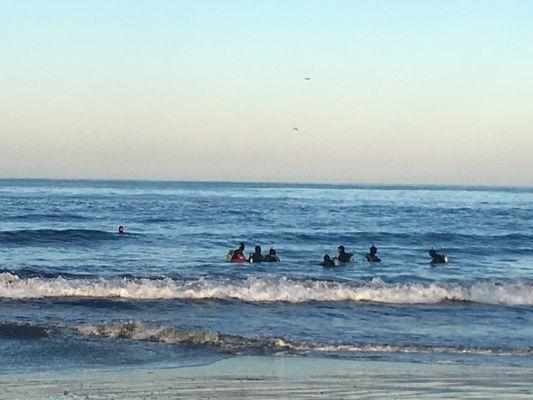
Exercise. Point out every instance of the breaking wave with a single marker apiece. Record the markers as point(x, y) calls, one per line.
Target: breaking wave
point(244, 345)
point(267, 289)
point(236, 344)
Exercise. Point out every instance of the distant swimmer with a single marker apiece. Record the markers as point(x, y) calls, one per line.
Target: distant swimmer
point(295, 129)
point(237, 256)
point(121, 229)
point(256, 256)
point(307, 79)
point(271, 256)
point(342, 256)
point(372, 256)
point(328, 262)
point(437, 258)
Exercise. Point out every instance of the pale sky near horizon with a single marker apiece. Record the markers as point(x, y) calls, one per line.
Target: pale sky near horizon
point(400, 91)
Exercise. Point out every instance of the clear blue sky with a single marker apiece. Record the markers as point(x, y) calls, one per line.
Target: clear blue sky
point(400, 91)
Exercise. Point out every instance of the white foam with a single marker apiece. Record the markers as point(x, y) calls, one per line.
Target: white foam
point(264, 289)
point(241, 344)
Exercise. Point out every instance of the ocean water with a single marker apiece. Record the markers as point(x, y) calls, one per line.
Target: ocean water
point(76, 294)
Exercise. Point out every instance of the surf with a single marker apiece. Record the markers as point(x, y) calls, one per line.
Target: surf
point(268, 289)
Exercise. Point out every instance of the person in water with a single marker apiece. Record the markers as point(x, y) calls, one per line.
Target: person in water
point(256, 256)
point(271, 256)
point(372, 256)
point(237, 255)
point(342, 256)
point(121, 229)
point(328, 262)
point(437, 258)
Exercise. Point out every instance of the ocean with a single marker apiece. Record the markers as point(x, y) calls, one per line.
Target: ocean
point(75, 294)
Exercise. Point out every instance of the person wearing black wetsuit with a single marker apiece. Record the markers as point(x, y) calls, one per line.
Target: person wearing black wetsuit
point(343, 256)
point(328, 262)
point(271, 256)
point(238, 253)
point(372, 256)
point(437, 258)
point(257, 257)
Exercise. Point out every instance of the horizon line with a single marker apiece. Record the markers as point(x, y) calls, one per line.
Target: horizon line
point(244, 182)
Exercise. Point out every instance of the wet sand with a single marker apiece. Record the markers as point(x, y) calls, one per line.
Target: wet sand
point(277, 378)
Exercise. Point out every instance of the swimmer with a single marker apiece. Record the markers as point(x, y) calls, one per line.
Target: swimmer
point(237, 255)
point(437, 258)
point(328, 262)
point(372, 256)
point(121, 229)
point(256, 256)
point(343, 257)
point(271, 256)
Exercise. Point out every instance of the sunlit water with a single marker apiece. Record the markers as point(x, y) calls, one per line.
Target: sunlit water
point(74, 293)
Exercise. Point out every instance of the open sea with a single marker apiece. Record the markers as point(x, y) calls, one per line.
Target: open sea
point(76, 294)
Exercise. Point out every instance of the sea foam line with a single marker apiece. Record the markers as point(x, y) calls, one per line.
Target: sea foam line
point(241, 344)
point(235, 344)
point(268, 289)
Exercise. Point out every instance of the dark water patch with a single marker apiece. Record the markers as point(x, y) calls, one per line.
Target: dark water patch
point(46, 217)
point(22, 331)
point(107, 304)
point(51, 237)
point(30, 272)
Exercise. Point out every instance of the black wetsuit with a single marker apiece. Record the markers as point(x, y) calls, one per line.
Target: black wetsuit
point(271, 258)
point(344, 257)
point(372, 257)
point(328, 263)
point(438, 259)
point(257, 257)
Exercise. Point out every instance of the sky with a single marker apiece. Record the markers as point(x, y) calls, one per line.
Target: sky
point(422, 92)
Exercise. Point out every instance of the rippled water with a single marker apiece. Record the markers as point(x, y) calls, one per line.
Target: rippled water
point(73, 292)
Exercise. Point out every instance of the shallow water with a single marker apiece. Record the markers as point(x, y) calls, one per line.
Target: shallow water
point(73, 292)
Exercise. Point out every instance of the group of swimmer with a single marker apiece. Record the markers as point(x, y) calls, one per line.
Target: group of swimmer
point(237, 255)
point(342, 257)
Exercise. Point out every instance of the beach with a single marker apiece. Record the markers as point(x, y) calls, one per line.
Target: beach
point(277, 377)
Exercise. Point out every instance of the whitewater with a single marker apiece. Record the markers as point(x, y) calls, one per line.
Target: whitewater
point(266, 289)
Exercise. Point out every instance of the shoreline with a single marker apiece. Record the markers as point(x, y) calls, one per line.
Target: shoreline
point(261, 377)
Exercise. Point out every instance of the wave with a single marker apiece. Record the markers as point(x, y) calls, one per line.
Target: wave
point(46, 217)
point(245, 345)
point(236, 344)
point(268, 289)
point(39, 237)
